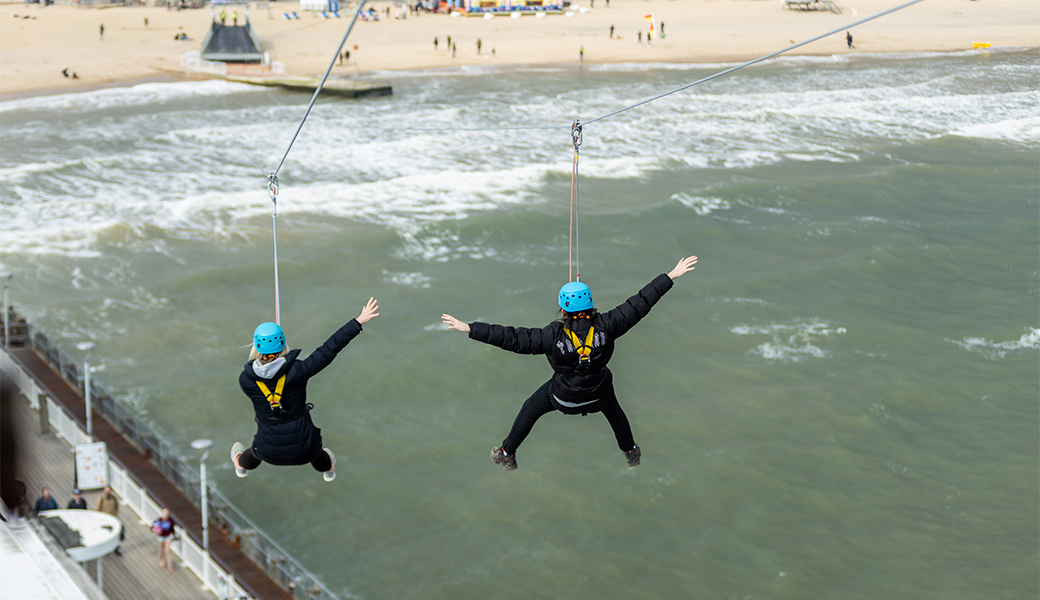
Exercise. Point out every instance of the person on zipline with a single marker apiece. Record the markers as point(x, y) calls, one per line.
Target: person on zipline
point(276, 382)
point(578, 347)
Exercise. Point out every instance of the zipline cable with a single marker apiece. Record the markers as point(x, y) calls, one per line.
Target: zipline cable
point(576, 133)
point(574, 240)
point(272, 177)
point(755, 61)
point(685, 87)
point(317, 91)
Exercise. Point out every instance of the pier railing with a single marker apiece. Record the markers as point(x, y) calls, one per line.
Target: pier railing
point(181, 471)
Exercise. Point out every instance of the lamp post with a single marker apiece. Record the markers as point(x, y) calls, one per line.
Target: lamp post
point(6, 277)
point(87, 347)
point(204, 445)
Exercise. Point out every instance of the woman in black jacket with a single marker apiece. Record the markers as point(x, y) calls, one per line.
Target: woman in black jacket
point(276, 382)
point(578, 347)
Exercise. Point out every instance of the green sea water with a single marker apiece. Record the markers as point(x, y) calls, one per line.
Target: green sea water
point(841, 402)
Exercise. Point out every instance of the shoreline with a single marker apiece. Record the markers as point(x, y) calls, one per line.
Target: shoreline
point(175, 76)
point(59, 91)
point(137, 44)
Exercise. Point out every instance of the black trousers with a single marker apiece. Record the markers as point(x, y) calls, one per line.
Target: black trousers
point(250, 460)
point(539, 404)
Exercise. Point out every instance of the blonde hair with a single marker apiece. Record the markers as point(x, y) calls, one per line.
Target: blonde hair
point(255, 355)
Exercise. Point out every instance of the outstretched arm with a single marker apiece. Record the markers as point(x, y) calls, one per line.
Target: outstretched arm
point(684, 266)
point(324, 354)
point(521, 340)
point(625, 316)
point(454, 323)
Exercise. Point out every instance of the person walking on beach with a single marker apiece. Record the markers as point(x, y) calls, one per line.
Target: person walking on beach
point(435, 44)
point(611, 32)
point(223, 16)
point(581, 54)
point(449, 42)
point(165, 530)
point(848, 39)
point(478, 46)
point(578, 347)
point(639, 37)
point(453, 50)
point(234, 18)
point(276, 383)
point(662, 28)
point(101, 31)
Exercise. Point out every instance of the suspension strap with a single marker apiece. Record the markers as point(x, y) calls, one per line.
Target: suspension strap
point(274, 399)
point(272, 190)
point(584, 350)
point(573, 239)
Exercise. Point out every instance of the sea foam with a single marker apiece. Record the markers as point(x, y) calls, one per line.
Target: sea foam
point(1030, 340)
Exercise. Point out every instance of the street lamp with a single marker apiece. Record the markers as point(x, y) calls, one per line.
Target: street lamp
point(204, 445)
point(87, 347)
point(6, 277)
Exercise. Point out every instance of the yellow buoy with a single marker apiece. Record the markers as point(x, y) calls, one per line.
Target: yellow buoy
point(980, 45)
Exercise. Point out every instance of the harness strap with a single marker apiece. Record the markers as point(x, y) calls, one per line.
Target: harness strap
point(275, 399)
point(584, 350)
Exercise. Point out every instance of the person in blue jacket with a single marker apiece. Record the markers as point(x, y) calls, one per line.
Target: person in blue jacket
point(276, 382)
point(45, 502)
point(578, 347)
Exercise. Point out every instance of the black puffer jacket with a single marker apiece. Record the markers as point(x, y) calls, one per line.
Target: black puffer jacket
point(292, 438)
point(569, 383)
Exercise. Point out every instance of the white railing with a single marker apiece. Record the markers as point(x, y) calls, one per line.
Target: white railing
point(22, 380)
point(193, 62)
point(133, 496)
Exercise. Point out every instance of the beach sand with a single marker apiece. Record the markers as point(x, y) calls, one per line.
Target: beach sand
point(34, 51)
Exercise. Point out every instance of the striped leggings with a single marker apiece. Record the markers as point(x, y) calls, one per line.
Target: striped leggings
point(540, 403)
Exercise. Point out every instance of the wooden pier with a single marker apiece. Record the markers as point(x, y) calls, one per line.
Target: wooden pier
point(44, 460)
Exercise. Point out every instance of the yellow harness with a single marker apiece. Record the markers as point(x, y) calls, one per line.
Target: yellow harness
point(584, 350)
point(275, 399)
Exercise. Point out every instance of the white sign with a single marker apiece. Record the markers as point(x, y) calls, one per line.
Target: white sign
point(91, 466)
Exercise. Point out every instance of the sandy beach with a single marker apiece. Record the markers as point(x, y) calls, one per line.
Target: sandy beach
point(138, 42)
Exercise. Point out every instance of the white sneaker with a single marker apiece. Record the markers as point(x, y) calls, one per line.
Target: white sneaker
point(237, 451)
point(330, 475)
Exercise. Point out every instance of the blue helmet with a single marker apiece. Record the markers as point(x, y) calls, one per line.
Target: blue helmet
point(575, 297)
point(268, 338)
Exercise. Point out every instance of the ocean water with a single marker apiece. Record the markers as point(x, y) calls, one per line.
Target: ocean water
point(842, 401)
